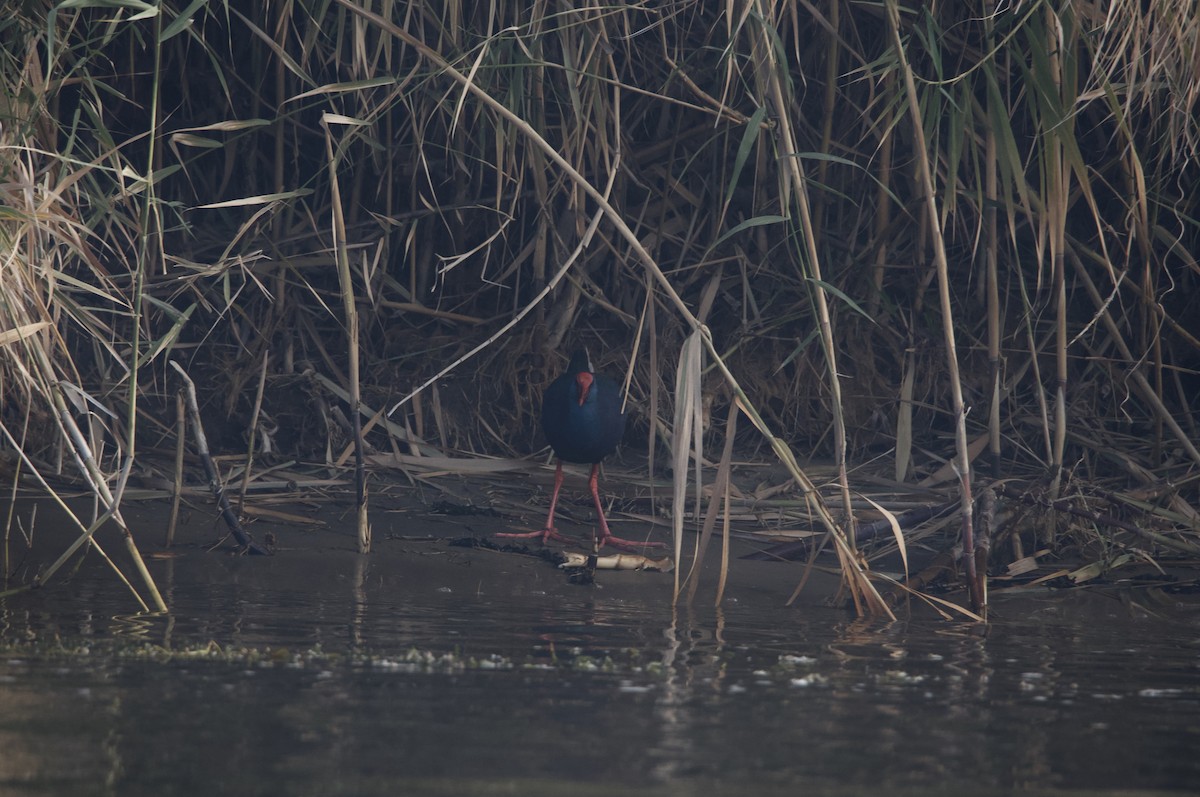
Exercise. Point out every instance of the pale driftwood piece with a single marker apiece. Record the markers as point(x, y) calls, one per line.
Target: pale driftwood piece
point(618, 561)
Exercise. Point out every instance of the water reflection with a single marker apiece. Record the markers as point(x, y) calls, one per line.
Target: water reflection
point(284, 677)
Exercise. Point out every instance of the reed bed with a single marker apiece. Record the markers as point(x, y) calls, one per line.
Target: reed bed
point(928, 253)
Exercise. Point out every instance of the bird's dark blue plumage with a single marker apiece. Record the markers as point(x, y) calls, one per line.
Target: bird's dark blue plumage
point(582, 419)
point(581, 413)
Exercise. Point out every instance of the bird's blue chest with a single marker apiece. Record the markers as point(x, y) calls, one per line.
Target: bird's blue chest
point(583, 433)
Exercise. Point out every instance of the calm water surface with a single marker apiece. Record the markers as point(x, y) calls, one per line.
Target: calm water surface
point(443, 673)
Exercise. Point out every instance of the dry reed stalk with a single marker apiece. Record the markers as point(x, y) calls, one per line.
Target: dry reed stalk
point(795, 189)
point(49, 375)
point(719, 496)
point(991, 253)
point(963, 461)
point(350, 310)
point(110, 500)
point(687, 441)
point(1057, 201)
point(177, 481)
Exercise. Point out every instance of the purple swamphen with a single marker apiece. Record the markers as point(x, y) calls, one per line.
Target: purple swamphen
point(582, 419)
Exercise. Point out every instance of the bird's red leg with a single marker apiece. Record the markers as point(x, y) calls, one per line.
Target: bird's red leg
point(547, 533)
point(558, 480)
point(606, 536)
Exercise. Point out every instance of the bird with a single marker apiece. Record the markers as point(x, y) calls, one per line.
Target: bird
point(583, 422)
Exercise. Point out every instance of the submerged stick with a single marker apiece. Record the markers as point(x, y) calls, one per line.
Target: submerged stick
point(245, 541)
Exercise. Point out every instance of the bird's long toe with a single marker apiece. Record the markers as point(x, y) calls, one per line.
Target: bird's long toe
point(546, 535)
point(630, 545)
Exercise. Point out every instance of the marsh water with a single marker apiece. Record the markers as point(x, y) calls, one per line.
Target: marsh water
point(424, 669)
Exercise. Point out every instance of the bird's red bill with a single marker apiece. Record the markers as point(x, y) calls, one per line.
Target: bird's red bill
point(583, 381)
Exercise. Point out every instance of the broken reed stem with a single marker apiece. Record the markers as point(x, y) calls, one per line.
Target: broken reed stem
point(210, 469)
point(725, 536)
point(110, 500)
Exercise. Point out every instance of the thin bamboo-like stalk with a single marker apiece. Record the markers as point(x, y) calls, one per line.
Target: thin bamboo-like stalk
point(346, 282)
point(1057, 200)
point(177, 481)
point(963, 459)
point(652, 333)
point(210, 469)
point(991, 254)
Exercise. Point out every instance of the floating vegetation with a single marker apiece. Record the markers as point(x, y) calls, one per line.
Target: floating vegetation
point(413, 660)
